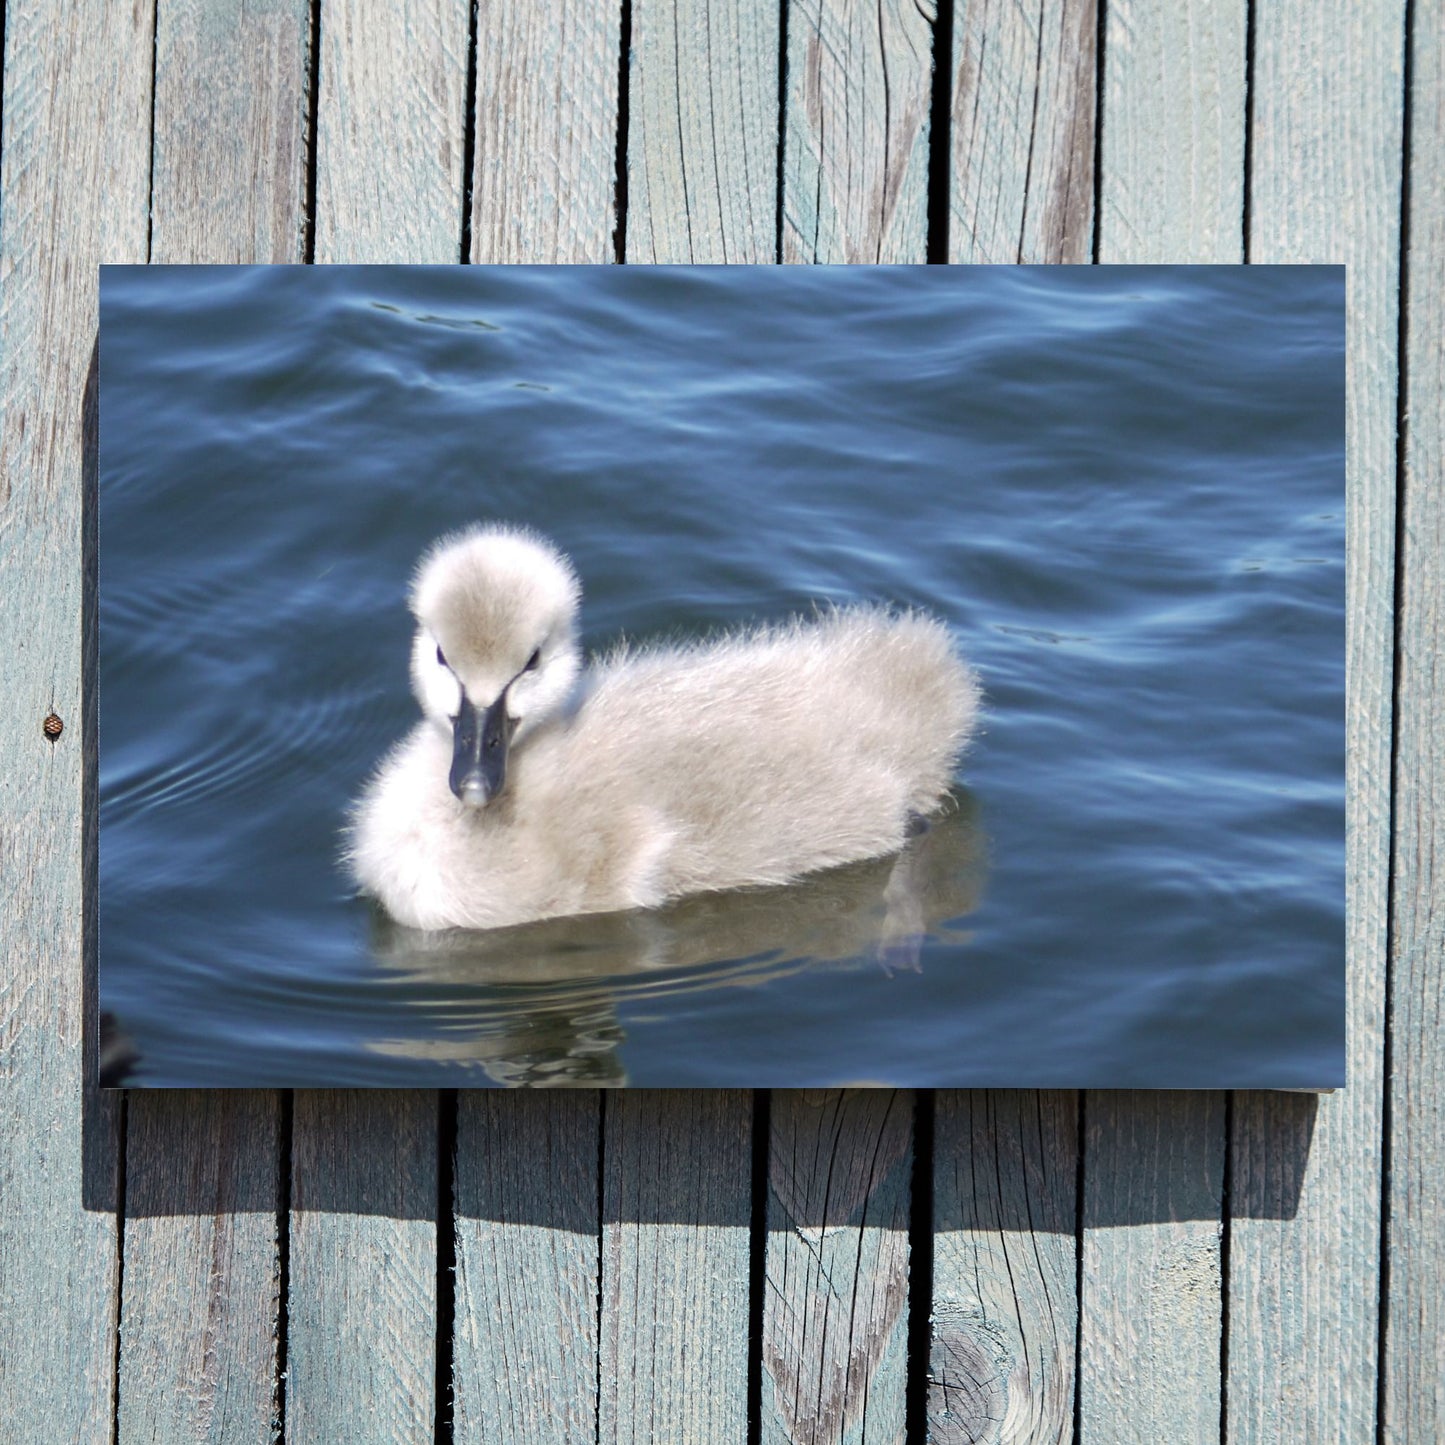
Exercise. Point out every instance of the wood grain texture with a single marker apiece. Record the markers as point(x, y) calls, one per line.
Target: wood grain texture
point(1152, 1309)
point(1413, 1407)
point(676, 1211)
point(1022, 142)
point(677, 1165)
point(229, 180)
point(1002, 1340)
point(200, 1309)
point(835, 1306)
point(201, 1289)
point(72, 195)
point(227, 185)
point(527, 1227)
point(528, 1252)
point(544, 179)
point(856, 127)
point(390, 122)
point(702, 144)
point(855, 130)
point(1005, 1306)
point(1150, 1315)
point(361, 1325)
point(1172, 168)
point(1325, 187)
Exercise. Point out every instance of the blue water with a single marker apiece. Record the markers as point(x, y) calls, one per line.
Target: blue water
point(1123, 488)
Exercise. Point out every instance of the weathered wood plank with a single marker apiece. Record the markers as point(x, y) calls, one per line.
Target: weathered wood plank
point(702, 145)
point(361, 1344)
point(390, 122)
point(1172, 167)
point(1005, 1306)
point(72, 194)
point(1149, 1365)
point(677, 1165)
point(1002, 1353)
point(856, 128)
point(1326, 153)
point(1022, 123)
point(201, 1294)
point(229, 182)
point(228, 185)
point(1414, 1364)
point(1152, 1310)
point(676, 1212)
point(835, 1308)
point(528, 1251)
point(544, 178)
point(362, 1324)
point(527, 1231)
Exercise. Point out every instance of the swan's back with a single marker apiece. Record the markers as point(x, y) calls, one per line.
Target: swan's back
point(770, 753)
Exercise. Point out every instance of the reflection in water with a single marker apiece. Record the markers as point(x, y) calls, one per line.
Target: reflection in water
point(118, 1055)
point(539, 1004)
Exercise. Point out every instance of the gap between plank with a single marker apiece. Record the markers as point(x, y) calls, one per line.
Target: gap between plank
point(1402, 427)
point(469, 141)
point(313, 132)
point(758, 1260)
point(624, 48)
point(283, 1251)
point(1079, 1234)
point(1100, 25)
point(1248, 128)
point(940, 142)
point(601, 1248)
point(782, 130)
point(1226, 1229)
point(444, 1405)
point(123, 1113)
point(920, 1269)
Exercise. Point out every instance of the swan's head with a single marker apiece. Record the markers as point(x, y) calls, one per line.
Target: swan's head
point(496, 646)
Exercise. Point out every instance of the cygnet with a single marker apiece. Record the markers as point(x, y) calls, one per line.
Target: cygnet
point(533, 789)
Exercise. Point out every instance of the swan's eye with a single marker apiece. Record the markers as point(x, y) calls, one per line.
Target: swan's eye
point(534, 661)
point(440, 658)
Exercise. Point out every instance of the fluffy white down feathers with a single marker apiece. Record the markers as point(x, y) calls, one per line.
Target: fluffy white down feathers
point(531, 789)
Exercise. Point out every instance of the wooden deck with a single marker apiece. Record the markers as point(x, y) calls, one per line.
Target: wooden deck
point(992, 1266)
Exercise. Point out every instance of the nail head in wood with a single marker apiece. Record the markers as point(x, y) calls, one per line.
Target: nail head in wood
point(53, 727)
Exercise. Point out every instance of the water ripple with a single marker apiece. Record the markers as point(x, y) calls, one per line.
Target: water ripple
point(1122, 489)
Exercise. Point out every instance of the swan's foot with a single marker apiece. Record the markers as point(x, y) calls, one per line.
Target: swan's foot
point(901, 939)
point(901, 955)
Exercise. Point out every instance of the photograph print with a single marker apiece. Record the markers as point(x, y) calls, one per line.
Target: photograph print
point(722, 677)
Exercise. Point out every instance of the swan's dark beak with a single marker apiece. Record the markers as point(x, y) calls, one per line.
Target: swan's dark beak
point(479, 751)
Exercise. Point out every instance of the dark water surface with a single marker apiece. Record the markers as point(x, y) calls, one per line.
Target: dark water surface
point(1123, 488)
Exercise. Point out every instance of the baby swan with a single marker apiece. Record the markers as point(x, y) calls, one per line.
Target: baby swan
point(531, 790)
